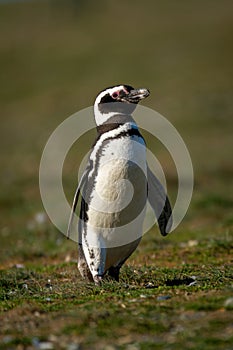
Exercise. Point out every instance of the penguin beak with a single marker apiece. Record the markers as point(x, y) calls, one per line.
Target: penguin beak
point(136, 95)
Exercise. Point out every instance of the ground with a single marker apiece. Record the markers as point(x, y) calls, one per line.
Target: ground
point(174, 292)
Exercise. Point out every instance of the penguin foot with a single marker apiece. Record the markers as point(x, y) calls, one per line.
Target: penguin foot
point(98, 280)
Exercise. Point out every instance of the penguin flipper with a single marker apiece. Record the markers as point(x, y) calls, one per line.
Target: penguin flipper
point(159, 202)
point(75, 202)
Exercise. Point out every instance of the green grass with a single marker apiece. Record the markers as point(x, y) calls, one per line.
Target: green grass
point(54, 58)
point(153, 305)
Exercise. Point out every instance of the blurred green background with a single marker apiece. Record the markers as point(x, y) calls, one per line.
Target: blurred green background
point(55, 56)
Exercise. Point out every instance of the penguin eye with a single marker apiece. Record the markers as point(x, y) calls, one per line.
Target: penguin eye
point(115, 94)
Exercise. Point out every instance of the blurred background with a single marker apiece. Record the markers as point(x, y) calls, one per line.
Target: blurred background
point(56, 55)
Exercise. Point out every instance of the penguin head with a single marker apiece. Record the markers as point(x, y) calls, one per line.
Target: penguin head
point(120, 99)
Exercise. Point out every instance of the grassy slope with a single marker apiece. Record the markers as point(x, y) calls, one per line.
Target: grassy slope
point(53, 60)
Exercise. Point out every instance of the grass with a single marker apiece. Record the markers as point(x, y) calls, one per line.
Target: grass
point(165, 298)
point(174, 292)
point(47, 287)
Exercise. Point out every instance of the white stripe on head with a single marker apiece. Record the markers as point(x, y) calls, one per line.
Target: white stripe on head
point(101, 118)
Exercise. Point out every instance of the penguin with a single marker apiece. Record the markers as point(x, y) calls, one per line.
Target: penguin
point(115, 187)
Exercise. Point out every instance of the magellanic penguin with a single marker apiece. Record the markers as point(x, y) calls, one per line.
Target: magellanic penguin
point(115, 187)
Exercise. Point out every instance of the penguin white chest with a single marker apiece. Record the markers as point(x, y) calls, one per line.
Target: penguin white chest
point(120, 186)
